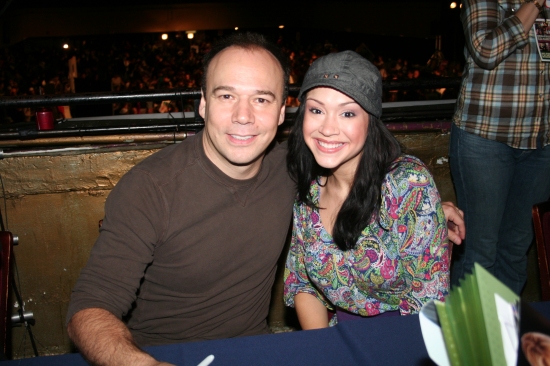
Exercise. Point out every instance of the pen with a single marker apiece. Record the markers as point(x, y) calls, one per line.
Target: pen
point(207, 361)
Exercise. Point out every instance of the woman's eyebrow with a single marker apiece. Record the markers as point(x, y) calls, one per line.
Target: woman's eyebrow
point(341, 104)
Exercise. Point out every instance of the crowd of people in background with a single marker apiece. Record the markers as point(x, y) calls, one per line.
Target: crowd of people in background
point(146, 62)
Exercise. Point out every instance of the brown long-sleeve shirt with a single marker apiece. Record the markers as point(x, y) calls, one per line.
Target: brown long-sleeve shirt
point(193, 249)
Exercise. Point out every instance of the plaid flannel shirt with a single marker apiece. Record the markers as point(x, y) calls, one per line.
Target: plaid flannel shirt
point(505, 88)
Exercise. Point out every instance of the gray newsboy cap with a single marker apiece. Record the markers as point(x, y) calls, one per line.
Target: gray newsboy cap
point(349, 73)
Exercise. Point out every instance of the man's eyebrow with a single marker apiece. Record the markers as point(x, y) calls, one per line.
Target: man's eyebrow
point(223, 87)
point(266, 92)
point(232, 89)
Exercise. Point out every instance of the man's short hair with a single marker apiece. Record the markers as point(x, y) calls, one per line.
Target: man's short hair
point(248, 41)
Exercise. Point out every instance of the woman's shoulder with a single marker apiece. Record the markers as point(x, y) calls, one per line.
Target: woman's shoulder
point(408, 167)
point(407, 161)
point(406, 179)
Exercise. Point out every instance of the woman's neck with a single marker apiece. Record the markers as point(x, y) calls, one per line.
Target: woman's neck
point(334, 191)
point(340, 180)
point(338, 186)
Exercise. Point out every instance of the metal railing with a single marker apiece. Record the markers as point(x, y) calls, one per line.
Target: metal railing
point(160, 128)
point(177, 94)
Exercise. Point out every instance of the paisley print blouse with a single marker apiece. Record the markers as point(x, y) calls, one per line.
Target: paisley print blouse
point(399, 263)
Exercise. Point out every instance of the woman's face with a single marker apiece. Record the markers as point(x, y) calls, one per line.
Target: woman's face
point(335, 129)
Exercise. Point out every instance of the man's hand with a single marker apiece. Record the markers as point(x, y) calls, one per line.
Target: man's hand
point(455, 222)
point(105, 340)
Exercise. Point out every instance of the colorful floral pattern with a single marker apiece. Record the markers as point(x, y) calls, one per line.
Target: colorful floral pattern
point(399, 263)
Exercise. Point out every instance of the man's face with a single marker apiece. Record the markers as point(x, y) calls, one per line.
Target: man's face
point(242, 107)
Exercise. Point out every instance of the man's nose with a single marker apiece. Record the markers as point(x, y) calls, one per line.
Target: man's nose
point(243, 112)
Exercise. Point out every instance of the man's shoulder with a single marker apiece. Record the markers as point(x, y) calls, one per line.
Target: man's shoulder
point(169, 161)
point(277, 152)
point(276, 156)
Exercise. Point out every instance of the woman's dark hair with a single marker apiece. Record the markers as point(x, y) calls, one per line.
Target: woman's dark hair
point(363, 202)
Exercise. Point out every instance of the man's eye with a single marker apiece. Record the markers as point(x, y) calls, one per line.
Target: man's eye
point(225, 96)
point(262, 100)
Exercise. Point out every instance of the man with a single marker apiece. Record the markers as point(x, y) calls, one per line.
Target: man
point(201, 223)
point(500, 153)
point(193, 233)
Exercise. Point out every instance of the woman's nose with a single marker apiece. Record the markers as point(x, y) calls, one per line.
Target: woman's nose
point(329, 126)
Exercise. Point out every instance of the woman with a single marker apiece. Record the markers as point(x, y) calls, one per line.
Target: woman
point(369, 233)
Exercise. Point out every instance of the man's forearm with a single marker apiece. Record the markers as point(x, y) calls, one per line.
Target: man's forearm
point(104, 340)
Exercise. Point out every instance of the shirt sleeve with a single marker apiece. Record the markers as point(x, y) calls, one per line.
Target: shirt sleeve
point(133, 225)
point(296, 279)
point(421, 231)
point(492, 32)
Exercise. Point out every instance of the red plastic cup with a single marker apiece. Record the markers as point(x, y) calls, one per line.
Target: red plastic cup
point(44, 119)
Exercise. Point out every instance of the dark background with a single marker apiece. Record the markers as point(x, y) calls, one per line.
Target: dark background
point(406, 29)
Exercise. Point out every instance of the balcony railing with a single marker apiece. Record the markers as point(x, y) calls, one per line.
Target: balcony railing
point(152, 129)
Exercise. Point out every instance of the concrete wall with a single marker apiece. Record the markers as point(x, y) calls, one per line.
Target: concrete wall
point(53, 203)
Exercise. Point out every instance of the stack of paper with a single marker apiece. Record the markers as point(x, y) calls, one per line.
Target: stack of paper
point(478, 324)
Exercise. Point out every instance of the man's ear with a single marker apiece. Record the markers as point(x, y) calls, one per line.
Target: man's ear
point(202, 106)
point(282, 115)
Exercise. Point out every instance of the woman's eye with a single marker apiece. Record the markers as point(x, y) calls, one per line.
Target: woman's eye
point(348, 114)
point(315, 111)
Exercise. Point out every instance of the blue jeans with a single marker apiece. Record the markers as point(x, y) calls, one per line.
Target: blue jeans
point(496, 187)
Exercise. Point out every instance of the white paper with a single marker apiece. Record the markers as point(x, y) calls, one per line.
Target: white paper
point(433, 335)
point(508, 318)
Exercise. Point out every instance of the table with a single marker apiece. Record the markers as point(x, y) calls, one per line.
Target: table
point(375, 341)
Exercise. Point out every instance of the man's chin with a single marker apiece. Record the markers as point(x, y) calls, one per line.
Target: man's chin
point(243, 156)
point(243, 162)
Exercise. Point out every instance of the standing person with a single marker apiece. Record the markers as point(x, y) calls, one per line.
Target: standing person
point(73, 72)
point(369, 234)
point(499, 153)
